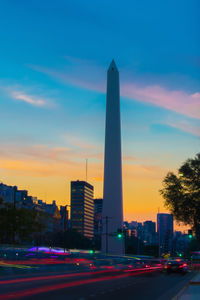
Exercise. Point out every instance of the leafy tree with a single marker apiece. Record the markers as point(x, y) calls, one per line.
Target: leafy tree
point(134, 245)
point(68, 239)
point(182, 194)
point(18, 224)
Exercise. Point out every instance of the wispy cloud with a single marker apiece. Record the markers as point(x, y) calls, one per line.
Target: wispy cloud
point(44, 161)
point(36, 152)
point(78, 142)
point(29, 99)
point(142, 172)
point(31, 95)
point(187, 127)
point(178, 101)
point(92, 77)
point(82, 74)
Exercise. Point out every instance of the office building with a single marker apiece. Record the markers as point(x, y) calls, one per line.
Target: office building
point(165, 232)
point(149, 232)
point(64, 217)
point(98, 204)
point(82, 208)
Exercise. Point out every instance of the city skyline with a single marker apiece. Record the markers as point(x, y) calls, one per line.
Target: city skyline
point(52, 96)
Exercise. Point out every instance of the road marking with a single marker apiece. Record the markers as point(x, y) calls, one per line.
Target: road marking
point(180, 293)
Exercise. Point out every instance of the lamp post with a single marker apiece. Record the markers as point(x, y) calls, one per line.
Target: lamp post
point(64, 224)
point(14, 214)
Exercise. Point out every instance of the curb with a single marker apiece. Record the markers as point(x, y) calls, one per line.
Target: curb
point(193, 282)
point(180, 293)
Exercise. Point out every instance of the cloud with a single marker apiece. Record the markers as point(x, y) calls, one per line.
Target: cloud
point(25, 94)
point(38, 160)
point(129, 158)
point(78, 142)
point(178, 101)
point(89, 76)
point(187, 127)
point(44, 161)
point(84, 76)
point(28, 99)
point(37, 152)
point(142, 172)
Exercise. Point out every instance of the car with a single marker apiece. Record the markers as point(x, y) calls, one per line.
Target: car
point(176, 266)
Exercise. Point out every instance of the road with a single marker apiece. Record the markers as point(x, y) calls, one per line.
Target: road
point(141, 286)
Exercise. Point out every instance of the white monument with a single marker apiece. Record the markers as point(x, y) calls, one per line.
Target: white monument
point(112, 196)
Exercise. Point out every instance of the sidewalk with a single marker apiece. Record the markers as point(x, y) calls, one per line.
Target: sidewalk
point(191, 291)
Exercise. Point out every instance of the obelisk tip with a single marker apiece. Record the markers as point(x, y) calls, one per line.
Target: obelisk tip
point(112, 66)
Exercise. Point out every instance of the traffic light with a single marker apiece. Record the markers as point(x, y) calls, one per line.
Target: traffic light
point(180, 254)
point(190, 234)
point(119, 233)
point(91, 251)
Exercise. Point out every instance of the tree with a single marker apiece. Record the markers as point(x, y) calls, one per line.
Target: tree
point(182, 194)
point(18, 223)
point(68, 239)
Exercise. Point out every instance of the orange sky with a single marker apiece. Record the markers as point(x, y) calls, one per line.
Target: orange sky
point(45, 175)
point(50, 180)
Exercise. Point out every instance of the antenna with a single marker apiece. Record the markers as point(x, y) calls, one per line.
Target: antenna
point(86, 168)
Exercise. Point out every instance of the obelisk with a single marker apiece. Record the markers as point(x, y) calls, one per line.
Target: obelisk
point(112, 215)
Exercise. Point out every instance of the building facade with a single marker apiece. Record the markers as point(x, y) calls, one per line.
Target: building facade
point(98, 205)
point(149, 232)
point(82, 208)
point(165, 232)
point(64, 217)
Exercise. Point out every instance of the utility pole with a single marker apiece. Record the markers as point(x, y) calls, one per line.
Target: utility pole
point(86, 168)
point(158, 228)
point(14, 214)
point(138, 246)
point(106, 233)
point(64, 225)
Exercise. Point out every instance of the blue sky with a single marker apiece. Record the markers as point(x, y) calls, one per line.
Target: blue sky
point(54, 56)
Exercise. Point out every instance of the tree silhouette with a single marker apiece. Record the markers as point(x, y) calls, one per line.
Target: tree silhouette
point(182, 194)
point(18, 224)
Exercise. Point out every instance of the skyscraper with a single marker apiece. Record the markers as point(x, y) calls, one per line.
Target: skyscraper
point(98, 205)
point(112, 195)
point(149, 232)
point(82, 208)
point(165, 232)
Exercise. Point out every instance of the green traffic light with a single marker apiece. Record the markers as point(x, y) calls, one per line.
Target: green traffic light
point(190, 236)
point(91, 251)
point(119, 235)
point(180, 254)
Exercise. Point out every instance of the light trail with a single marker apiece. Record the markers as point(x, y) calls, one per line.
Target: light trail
point(50, 288)
point(49, 277)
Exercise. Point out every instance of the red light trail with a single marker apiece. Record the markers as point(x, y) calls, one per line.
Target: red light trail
point(49, 288)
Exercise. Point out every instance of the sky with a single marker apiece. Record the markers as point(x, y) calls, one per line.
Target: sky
point(54, 57)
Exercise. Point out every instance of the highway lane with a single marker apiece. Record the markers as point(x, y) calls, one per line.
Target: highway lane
point(143, 286)
point(155, 286)
point(32, 282)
